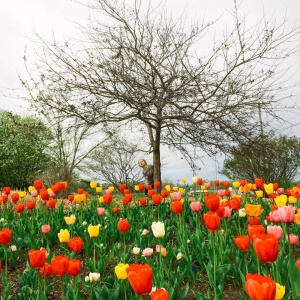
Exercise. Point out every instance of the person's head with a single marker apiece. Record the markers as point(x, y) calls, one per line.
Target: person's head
point(142, 163)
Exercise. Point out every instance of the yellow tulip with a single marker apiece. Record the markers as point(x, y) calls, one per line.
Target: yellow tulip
point(281, 200)
point(183, 180)
point(49, 190)
point(93, 230)
point(98, 189)
point(120, 271)
point(280, 291)
point(111, 188)
point(236, 184)
point(175, 188)
point(136, 188)
point(64, 235)
point(100, 199)
point(253, 210)
point(203, 188)
point(76, 198)
point(22, 194)
point(259, 194)
point(31, 188)
point(292, 199)
point(182, 200)
point(168, 188)
point(70, 220)
point(223, 201)
point(269, 188)
point(181, 190)
point(93, 184)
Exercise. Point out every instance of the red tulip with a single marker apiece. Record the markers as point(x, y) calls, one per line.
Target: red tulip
point(157, 184)
point(164, 193)
point(38, 184)
point(123, 225)
point(235, 203)
point(212, 221)
point(5, 236)
point(122, 187)
point(51, 203)
point(216, 182)
point(260, 287)
point(71, 197)
point(226, 184)
point(107, 199)
point(254, 220)
point(80, 191)
point(74, 267)
point(176, 207)
point(143, 201)
point(141, 187)
point(199, 181)
point(6, 190)
point(3, 198)
point(160, 294)
point(151, 193)
point(156, 199)
point(14, 197)
point(258, 182)
point(126, 191)
point(242, 242)
point(115, 210)
point(55, 188)
point(212, 202)
point(46, 270)
point(76, 244)
point(30, 205)
point(44, 194)
point(266, 247)
point(254, 230)
point(140, 278)
point(60, 265)
point(20, 207)
point(37, 258)
point(148, 187)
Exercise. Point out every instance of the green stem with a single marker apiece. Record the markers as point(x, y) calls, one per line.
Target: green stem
point(246, 264)
point(5, 250)
point(215, 259)
point(125, 295)
point(94, 255)
point(258, 265)
point(124, 246)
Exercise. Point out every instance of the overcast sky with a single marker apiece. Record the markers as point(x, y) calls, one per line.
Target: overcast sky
point(20, 18)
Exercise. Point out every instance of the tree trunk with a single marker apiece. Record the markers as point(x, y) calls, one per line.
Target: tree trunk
point(156, 157)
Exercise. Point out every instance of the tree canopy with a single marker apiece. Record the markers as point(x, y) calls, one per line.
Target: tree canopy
point(271, 158)
point(25, 149)
point(136, 66)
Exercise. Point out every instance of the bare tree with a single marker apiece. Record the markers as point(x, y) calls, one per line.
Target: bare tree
point(139, 66)
point(115, 162)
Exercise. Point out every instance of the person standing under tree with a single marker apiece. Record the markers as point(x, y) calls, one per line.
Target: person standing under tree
point(148, 172)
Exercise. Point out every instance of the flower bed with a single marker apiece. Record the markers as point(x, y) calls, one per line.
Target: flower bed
point(230, 241)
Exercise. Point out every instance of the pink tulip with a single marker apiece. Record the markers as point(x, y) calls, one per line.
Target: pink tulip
point(176, 196)
point(34, 193)
point(147, 252)
point(52, 194)
point(293, 239)
point(280, 191)
point(227, 212)
point(221, 193)
point(275, 230)
point(101, 211)
point(274, 216)
point(46, 228)
point(108, 192)
point(195, 206)
point(207, 185)
point(286, 213)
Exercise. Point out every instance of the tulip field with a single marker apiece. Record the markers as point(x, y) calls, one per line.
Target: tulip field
point(199, 240)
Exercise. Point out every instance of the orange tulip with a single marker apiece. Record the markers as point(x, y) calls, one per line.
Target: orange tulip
point(164, 193)
point(38, 184)
point(156, 199)
point(254, 230)
point(140, 278)
point(46, 270)
point(212, 221)
point(107, 199)
point(157, 184)
point(151, 193)
point(5, 236)
point(74, 267)
point(76, 244)
point(123, 225)
point(242, 242)
point(60, 265)
point(212, 202)
point(14, 197)
point(160, 294)
point(30, 205)
point(143, 201)
point(176, 207)
point(260, 287)
point(216, 182)
point(37, 258)
point(266, 247)
point(254, 220)
point(253, 210)
point(20, 207)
